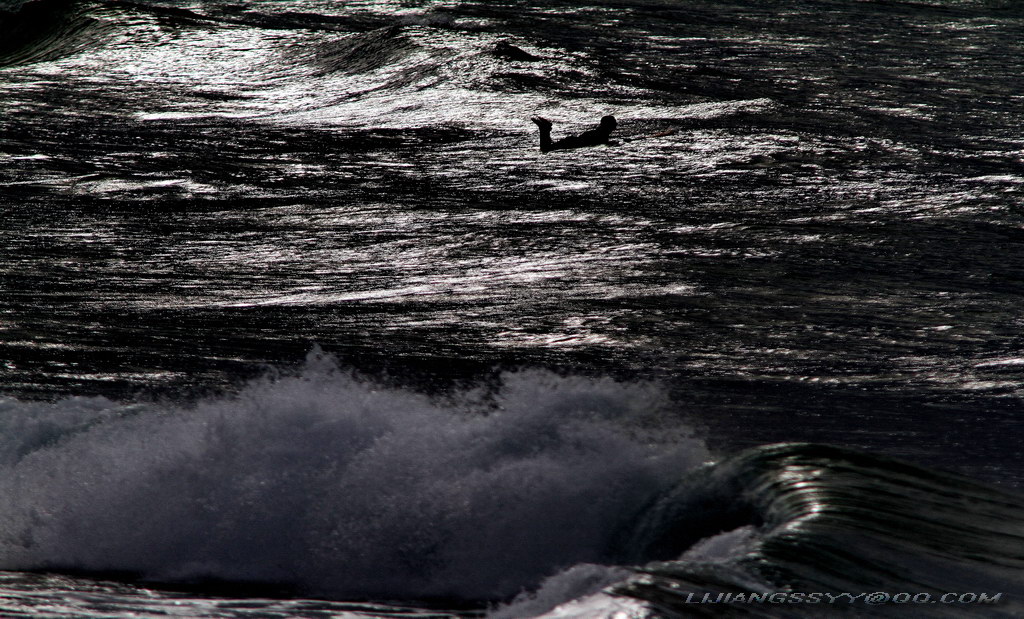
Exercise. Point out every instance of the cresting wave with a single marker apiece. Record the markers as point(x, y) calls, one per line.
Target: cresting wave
point(571, 492)
point(335, 486)
point(826, 519)
point(42, 31)
point(815, 532)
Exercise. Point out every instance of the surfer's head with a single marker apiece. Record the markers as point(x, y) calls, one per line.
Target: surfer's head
point(608, 123)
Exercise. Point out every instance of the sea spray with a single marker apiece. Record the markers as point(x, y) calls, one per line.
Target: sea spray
point(337, 485)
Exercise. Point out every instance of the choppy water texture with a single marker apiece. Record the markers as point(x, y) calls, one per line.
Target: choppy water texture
point(809, 229)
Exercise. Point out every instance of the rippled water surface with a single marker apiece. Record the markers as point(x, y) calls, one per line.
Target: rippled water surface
point(811, 208)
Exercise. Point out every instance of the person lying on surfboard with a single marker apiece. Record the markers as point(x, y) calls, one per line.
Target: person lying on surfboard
point(594, 137)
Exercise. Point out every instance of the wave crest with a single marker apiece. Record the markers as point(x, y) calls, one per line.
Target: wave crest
point(44, 30)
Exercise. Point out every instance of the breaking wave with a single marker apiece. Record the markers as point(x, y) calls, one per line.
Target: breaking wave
point(335, 485)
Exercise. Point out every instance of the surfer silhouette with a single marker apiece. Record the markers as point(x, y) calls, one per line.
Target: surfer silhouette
point(594, 137)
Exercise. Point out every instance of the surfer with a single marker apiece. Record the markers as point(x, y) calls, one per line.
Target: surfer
point(594, 137)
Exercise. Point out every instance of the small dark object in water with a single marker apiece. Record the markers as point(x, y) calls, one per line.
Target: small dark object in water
point(504, 49)
point(594, 137)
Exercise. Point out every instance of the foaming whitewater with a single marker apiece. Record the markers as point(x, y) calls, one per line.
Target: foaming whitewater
point(336, 485)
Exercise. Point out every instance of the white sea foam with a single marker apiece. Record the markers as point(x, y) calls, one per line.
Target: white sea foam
point(724, 546)
point(581, 592)
point(576, 593)
point(337, 484)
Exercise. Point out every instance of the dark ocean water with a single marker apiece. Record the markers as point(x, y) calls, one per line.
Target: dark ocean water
point(297, 320)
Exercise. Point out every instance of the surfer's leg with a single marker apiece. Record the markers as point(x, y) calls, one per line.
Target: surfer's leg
point(545, 132)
